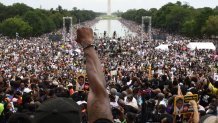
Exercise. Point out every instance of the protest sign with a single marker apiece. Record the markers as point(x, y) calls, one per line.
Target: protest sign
point(181, 104)
point(114, 73)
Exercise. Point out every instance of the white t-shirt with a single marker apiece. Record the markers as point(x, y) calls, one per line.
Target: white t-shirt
point(114, 104)
point(133, 100)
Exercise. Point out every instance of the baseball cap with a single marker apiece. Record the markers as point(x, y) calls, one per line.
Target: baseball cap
point(58, 110)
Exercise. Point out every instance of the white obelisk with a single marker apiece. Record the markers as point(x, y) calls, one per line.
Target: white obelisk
point(109, 7)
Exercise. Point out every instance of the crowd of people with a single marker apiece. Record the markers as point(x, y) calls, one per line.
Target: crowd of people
point(141, 82)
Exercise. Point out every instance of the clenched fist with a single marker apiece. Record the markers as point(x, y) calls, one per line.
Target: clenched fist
point(85, 36)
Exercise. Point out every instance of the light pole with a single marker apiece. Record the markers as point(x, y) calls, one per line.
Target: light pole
point(149, 27)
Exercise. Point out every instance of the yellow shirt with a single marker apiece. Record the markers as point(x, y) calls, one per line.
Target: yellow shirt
point(1, 108)
point(214, 90)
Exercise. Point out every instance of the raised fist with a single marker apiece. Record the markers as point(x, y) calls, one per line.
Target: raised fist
point(85, 36)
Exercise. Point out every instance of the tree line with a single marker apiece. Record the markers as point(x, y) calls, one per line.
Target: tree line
point(29, 22)
point(178, 18)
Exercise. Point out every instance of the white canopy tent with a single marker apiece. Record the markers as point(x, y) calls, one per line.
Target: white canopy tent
point(201, 45)
point(164, 47)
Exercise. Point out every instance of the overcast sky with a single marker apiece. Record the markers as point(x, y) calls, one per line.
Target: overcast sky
point(101, 5)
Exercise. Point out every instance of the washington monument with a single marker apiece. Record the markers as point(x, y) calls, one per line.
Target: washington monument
point(109, 7)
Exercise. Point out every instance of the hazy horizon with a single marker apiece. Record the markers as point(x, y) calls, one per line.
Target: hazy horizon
point(101, 5)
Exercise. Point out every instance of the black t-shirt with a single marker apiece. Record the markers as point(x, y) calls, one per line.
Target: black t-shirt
point(205, 99)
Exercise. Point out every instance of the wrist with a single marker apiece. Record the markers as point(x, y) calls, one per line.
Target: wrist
point(88, 50)
point(86, 43)
point(88, 47)
point(195, 108)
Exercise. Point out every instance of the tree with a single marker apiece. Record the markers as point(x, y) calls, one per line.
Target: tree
point(139, 14)
point(2, 12)
point(17, 9)
point(160, 17)
point(118, 13)
point(188, 28)
point(40, 22)
point(59, 9)
point(10, 26)
point(176, 18)
point(43, 21)
point(52, 11)
point(74, 8)
point(171, 17)
point(83, 15)
point(48, 24)
point(201, 18)
point(152, 11)
point(130, 14)
point(58, 19)
point(211, 26)
point(178, 3)
point(35, 21)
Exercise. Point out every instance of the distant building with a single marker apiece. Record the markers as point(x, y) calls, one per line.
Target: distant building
point(109, 7)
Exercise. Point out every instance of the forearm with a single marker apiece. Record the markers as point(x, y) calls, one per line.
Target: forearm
point(98, 103)
point(94, 71)
point(195, 118)
point(98, 100)
point(196, 115)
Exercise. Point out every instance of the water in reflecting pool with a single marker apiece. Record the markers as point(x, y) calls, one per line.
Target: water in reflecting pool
point(110, 26)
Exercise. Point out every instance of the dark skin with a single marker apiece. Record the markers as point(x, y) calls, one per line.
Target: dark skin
point(98, 99)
